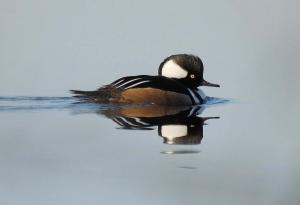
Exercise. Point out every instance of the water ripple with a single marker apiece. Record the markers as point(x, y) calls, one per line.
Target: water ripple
point(30, 103)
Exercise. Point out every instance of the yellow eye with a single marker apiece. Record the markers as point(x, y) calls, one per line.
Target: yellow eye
point(192, 76)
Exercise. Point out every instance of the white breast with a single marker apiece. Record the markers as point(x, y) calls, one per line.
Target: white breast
point(201, 93)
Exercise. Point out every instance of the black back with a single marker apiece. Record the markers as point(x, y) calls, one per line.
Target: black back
point(144, 81)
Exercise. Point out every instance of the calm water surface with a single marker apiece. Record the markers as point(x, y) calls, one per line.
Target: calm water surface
point(56, 151)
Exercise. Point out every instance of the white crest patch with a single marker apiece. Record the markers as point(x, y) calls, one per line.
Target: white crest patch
point(172, 70)
point(174, 131)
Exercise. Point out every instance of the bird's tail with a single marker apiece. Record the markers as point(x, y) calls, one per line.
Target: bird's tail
point(82, 93)
point(85, 95)
point(100, 96)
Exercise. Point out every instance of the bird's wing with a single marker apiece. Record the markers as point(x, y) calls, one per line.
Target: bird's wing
point(144, 81)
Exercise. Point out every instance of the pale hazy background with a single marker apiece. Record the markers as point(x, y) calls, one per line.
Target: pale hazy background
point(251, 48)
point(249, 156)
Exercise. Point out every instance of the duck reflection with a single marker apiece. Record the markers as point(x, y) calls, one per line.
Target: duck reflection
point(176, 125)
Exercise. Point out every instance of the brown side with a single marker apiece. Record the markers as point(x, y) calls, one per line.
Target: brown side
point(156, 96)
point(150, 111)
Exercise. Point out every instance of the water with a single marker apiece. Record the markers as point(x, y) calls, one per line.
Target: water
point(54, 150)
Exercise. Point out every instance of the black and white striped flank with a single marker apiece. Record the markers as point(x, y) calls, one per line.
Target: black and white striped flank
point(159, 82)
point(132, 82)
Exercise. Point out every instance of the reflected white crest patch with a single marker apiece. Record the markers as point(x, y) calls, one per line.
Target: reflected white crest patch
point(174, 131)
point(172, 70)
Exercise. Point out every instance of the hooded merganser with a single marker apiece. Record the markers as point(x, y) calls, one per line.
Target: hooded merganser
point(176, 125)
point(177, 82)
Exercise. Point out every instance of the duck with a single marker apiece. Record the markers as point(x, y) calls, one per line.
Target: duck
point(176, 84)
point(175, 125)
